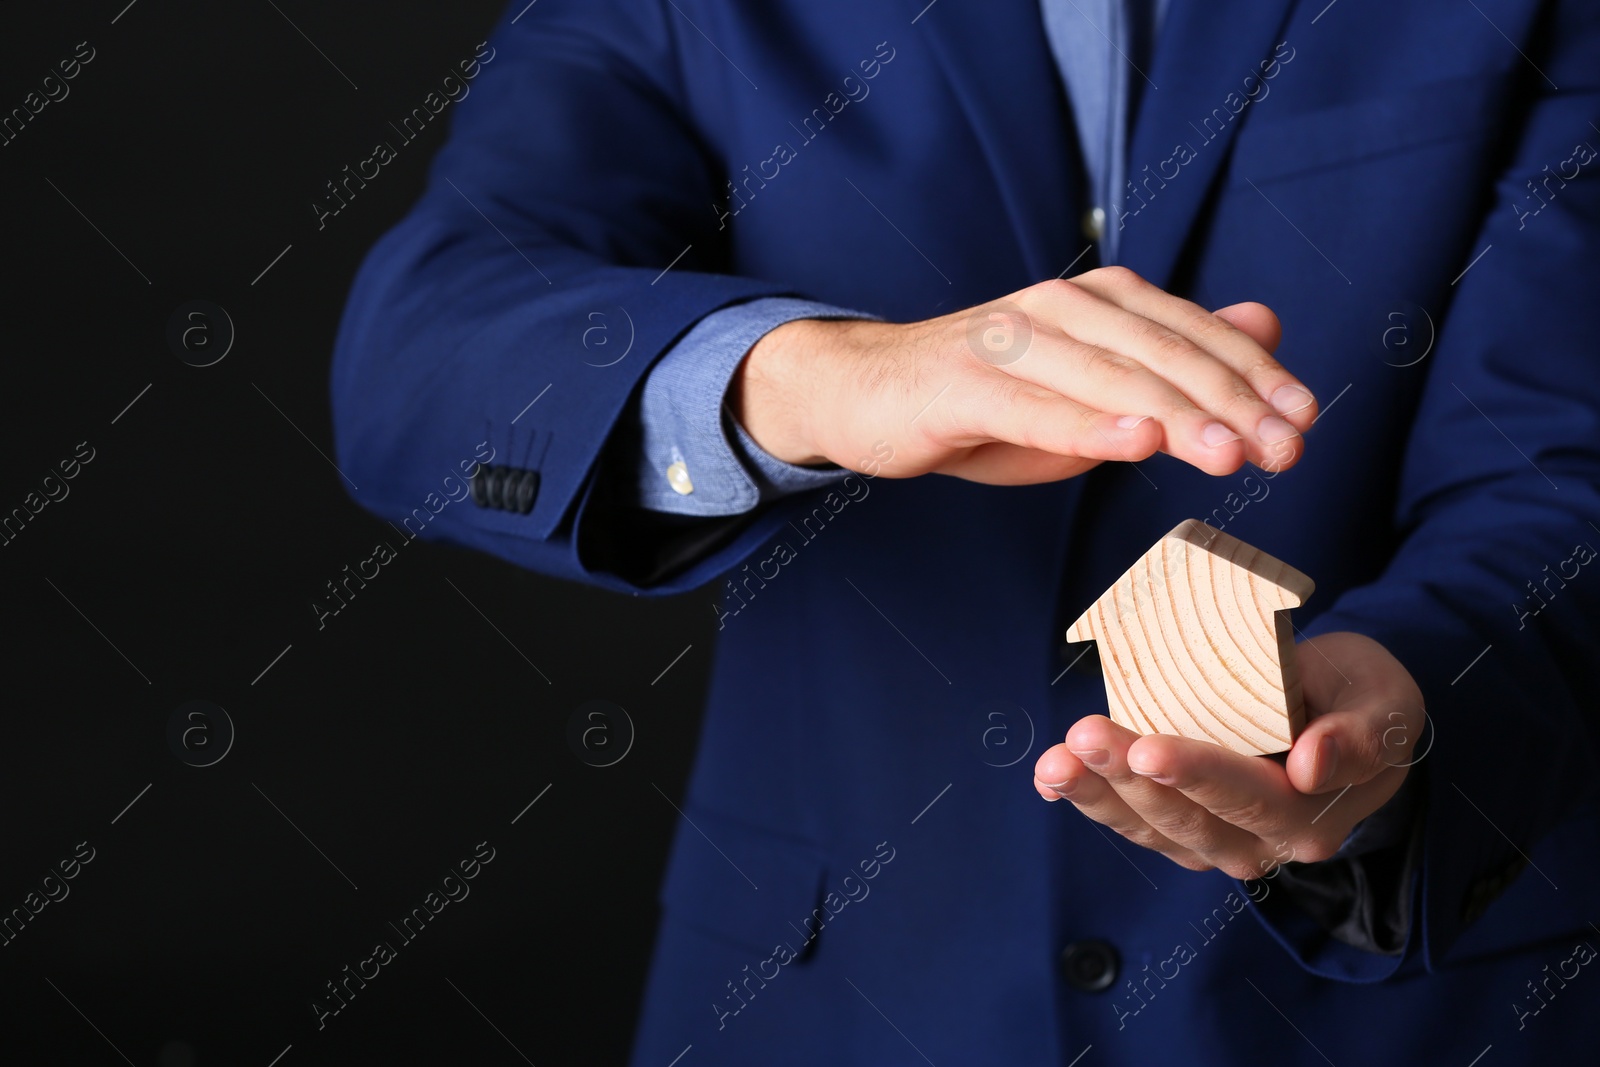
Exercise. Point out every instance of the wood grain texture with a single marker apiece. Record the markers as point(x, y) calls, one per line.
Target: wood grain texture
point(1195, 640)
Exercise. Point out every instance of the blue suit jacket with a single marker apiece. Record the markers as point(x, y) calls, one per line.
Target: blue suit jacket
point(1374, 190)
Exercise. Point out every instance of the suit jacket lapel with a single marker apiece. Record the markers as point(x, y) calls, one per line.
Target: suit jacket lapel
point(998, 61)
point(1204, 52)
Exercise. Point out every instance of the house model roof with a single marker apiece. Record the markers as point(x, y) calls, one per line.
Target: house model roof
point(1195, 640)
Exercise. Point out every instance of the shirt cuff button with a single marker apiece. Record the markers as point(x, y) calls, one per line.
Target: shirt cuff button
point(678, 478)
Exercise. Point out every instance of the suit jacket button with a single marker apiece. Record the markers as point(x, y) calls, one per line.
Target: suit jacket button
point(1090, 966)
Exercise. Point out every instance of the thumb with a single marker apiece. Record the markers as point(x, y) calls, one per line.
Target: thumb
point(1352, 746)
point(1366, 714)
point(1255, 320)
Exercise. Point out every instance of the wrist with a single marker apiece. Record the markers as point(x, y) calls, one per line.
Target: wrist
point(775, 390)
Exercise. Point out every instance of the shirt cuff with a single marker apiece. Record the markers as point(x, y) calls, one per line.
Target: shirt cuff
point(694, 458)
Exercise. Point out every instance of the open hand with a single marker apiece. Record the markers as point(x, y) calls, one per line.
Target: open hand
point(1205, 807)
point(1041, 385)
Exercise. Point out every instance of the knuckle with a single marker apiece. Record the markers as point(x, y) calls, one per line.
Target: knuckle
point(1239, 398)
point(1263, 369)
point(1145, 837)
point(1118, 277)
point(1191, 862)
point(1207, 326)
point(934, 433)
point(1193, 828)
point(1315, 848)
point(1166, 346)
point(1036, 438)
point(995, 416)
point(1367, 762)
point(1179, 408)
point(1002, 393)
point(1253, 813)
point(1050, 291)
point(959, 421)
point(1362, 753)
point(1240, 869)
point(1113, 367)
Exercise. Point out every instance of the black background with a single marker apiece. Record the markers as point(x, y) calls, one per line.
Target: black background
point(377, 751)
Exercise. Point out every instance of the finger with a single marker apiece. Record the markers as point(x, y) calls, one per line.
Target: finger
point(1015, 412)
point(1256, 320)
point(1255, 795)
point(999, 463)
point(1263, 327)
point(1250, 793)
point(1100, 377)
point(1056, 772)
point(1243, 336)
point(1103, 746)
point(1095, 797)
point(1362, 724)
point(1201, 361)
point(1241, 383)
point(1344, 748)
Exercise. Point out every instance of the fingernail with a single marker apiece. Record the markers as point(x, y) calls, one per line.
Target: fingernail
point(1288, 399)
point(1327, 761)
point(1065, 788)
point(1094, 757)
point(1216, 435)
point(1128, 422)
point(1272, 429)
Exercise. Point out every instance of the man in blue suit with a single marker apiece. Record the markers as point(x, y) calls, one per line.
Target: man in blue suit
point(824, 245)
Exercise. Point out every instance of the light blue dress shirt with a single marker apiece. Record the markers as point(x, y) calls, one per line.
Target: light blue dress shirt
point(690, 442)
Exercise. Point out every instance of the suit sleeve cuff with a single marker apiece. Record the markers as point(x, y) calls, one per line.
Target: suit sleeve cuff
point(1352, 917)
